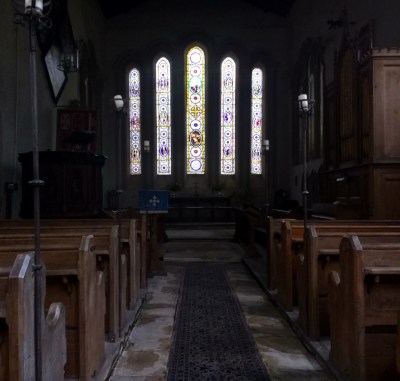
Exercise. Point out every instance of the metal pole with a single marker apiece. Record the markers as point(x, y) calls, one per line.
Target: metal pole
point(36, 183)
point(266, 149)
point(119, 191)
point(305, 191)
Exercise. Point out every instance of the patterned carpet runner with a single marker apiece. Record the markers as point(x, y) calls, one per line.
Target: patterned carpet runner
point(211, 337)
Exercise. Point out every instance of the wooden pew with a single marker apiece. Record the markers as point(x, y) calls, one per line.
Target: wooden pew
point(130, 234)
point(365, 301)
point(72, 278)
point(246, 221)
point(291, 245)
point(273, 248)
point(398, 343)
point(106, 251)
point(129, 260)
point(321, 257)
point(17, 311)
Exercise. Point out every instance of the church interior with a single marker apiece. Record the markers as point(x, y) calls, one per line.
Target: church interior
point(220, 179)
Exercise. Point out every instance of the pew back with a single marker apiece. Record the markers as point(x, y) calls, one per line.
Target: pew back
point(130, 235)
point(321, 257)
point(17, 328)
point(366, 297)
point(72, 278)
point(291, 244)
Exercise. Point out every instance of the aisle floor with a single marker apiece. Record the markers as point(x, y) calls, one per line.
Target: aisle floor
point(144, 355)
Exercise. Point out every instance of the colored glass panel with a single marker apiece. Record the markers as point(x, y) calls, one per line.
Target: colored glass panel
point(163, 110)
point(228, 90)
point(195, 111)
point(256, 120)
point(134, 122)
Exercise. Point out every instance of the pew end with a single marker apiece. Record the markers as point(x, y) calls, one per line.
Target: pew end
point(364, 304)
point(19, 316)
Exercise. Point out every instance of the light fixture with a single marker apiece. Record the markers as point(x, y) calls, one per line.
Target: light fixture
point(32, 11)
point(69, 59)
point(146, 145)
point(34, 6)
point(118, 102)
point(303, 103)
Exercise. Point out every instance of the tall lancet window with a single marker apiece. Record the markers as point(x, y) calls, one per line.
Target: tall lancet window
point(163, 109)
point(195, 111)
point(256, 120)
point(134, 122)
point(228, 123)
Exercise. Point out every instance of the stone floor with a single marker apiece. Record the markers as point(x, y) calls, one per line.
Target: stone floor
point(144, 355)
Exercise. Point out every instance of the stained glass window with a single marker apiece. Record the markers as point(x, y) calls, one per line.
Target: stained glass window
point(228, 89)
point(195, 111)
point(256, 120)
point(163, 109)
point(134, 122)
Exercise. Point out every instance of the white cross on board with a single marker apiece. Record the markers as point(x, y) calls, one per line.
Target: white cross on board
point(154, 201)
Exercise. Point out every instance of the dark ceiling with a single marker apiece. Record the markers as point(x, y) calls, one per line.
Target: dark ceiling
point(115, 7)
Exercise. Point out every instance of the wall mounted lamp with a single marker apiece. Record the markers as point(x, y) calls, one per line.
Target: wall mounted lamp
point(265, 144)
point(118, 102)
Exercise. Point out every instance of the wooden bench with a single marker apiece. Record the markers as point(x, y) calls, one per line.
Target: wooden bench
point(274, 247)
point(106, 251)
point(398, 343)
point(130, 233)
point(365, 301)
point(322, 256)
point(72, 278)
point(129, 261)
point(17, 322)
point(291, 244)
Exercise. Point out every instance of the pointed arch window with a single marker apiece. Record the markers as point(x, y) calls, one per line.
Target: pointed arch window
point(163, 110)
point(195, 111)
point(135, 122)
point(228, 115)
point(256, 120)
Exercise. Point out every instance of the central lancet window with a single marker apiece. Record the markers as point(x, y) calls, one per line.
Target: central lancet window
point(256, 120)
point(134, 123)
point(228, 122)
point(163, 109)
point(195, 111)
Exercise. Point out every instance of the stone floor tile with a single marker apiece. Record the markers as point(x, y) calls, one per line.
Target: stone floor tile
point(142, 363)
point(153, 335)
point(137, 378)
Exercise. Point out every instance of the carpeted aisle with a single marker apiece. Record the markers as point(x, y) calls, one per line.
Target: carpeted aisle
point(211, 339)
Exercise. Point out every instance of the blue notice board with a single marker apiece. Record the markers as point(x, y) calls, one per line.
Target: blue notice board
point(153, 201)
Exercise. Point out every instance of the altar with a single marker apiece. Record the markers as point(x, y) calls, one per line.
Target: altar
point(200, 209)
